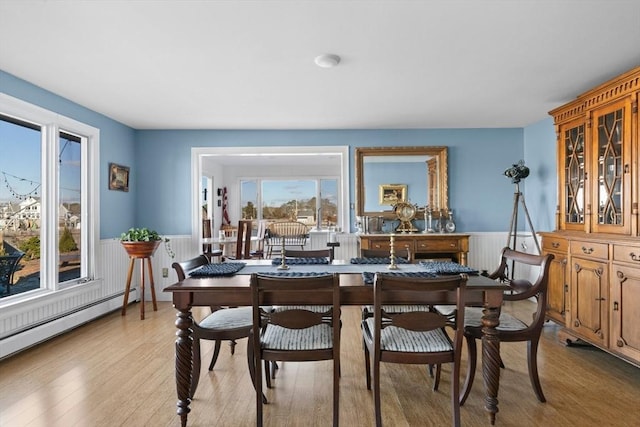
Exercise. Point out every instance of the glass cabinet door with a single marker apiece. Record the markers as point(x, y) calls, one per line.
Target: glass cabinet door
point(573, 176)
point(611, 186)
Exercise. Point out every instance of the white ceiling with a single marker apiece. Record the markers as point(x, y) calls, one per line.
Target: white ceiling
point(250, 64)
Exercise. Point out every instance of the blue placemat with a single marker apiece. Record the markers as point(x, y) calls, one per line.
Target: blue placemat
point(292, 274)
point(383, 260)
point(447, 267)
point(301, 261)
point(218, 269)
point(368, 277)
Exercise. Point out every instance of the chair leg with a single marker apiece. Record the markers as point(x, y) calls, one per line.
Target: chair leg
point(267, 373)
point(532, 359)
point(455, 391)
point(367, 365)
point(436, 381)
point(336, 390)
point(195, 375)
point(471, 368)
point(376, 391)
point(430, 371)
point(216, 352)
point(252, 367)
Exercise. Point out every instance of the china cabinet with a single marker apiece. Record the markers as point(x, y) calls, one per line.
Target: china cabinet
point(594, 288)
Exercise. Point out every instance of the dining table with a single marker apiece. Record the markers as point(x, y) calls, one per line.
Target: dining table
point(232, 288)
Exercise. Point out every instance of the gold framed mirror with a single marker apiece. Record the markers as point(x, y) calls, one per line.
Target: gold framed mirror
point(422, 169)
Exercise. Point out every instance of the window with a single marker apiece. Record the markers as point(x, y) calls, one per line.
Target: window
point(299, 199)
point(47, 210)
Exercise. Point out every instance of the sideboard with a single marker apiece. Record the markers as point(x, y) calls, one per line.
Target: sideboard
point(422, 245)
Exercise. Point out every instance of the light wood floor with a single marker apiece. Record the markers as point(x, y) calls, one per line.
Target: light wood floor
point(120, 371)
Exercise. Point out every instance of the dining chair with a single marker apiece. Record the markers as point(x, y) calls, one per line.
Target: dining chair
point(222, 324)
point(312, 253)
point(415, 337)
point(258, 252)
point(207, 248)
point(511, 328)
point(296, 334)
point(243, 241)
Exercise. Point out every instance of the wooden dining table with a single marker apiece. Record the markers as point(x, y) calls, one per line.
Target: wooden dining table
point(235, 291)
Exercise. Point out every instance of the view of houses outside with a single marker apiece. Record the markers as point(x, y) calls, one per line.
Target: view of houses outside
point(292, 199)
point(21, 189)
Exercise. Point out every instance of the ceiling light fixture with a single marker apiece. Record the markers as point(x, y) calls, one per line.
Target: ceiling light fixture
point(327, 60)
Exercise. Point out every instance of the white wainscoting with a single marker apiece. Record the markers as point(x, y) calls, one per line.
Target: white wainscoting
point(38, 316)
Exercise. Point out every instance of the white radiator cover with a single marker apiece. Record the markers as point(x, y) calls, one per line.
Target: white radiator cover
point(34, 318)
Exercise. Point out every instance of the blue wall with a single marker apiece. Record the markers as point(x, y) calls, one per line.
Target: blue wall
point(542, 185)
point(160, 160)
point(479, 194)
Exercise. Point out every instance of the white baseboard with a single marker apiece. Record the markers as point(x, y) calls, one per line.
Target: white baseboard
point(33, 336)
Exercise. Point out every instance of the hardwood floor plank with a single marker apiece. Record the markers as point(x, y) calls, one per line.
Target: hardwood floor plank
point(120, 371)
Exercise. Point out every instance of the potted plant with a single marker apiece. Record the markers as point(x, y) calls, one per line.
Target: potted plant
point(143, 242)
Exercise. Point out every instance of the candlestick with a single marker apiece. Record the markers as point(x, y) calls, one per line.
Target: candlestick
point(392, 253)
point(283, 264)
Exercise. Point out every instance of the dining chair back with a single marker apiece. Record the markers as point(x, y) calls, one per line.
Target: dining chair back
point(207, 248)
point(222, 324)
point(315, 253)
point(414, 337)
point(296, 334)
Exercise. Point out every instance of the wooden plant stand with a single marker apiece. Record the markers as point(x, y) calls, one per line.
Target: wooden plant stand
point(142, 251)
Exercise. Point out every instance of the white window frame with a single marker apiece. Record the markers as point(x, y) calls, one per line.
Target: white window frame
point(51, 124)
point(198, 153)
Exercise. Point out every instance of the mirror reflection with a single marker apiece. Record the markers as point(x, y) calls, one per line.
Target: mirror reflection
point(417, 175)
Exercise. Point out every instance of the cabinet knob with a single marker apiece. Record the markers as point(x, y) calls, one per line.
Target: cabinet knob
point(634, 257)
point(587, 250)
point(555, 245)
point(615, 306)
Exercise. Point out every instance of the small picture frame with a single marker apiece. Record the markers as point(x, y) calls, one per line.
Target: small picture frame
point(390, 194)
point(118, 177)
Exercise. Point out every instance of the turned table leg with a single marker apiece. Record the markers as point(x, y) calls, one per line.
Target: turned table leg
point(184, 362)
point(491, 359)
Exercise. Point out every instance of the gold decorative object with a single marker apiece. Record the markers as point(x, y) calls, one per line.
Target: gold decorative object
point(405, 212)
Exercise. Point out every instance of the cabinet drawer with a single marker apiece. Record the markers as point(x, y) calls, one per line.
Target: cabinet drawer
point(386, 245)
point(555, 244)
point(623, 253)
point(590, 249)
point(438, 245)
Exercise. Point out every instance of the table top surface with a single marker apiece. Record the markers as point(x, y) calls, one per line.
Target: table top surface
point(350, 275)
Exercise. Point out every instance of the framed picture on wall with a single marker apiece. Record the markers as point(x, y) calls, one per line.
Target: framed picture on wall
point(390, 194)
point(118, 177)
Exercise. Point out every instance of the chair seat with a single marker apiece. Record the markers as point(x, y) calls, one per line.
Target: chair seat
point(228, 318)
point(393, 338)
point(318, 337)
point(473, 318)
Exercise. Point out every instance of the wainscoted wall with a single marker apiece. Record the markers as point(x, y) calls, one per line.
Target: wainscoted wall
point(41, 315)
